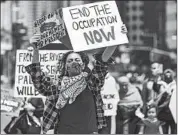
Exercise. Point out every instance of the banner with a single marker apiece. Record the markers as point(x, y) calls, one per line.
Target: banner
point(51, 27)
point(48, 60)
point(94, 25)
point(110, 96)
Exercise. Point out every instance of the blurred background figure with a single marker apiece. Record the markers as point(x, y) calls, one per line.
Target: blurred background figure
point(130, 100)
point(28, 121)
point(150, 124)
point(164, 110)
point(151, 89)
point(110, 98)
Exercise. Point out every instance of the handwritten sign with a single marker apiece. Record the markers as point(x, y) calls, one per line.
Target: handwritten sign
point(94, 25)
point(48, 60)
point(51, 27)
point(9, 105)
point(110, 96)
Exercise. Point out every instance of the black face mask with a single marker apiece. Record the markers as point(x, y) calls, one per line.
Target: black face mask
point(168, 79)
point(38, 114)
point(74, 68)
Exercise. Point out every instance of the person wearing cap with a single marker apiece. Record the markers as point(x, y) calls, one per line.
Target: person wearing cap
point(130, 100)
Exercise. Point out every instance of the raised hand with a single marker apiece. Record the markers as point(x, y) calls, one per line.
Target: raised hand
point(33, 42)
point(32, 46)
point(124, 29)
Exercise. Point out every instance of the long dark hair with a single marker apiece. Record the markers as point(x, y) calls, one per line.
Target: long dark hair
point(62, 63)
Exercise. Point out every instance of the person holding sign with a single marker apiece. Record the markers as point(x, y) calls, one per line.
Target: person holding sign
point(74, 105)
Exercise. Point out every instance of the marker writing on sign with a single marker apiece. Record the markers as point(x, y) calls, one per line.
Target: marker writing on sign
point(26, 91)
point(108, 106)
point(45, 57)
point(24, 79)
point(77, 13)
point(94, 22)
point(98, 36)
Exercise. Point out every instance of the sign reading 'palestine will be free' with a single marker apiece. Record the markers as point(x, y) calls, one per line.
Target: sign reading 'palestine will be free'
point(48, 60)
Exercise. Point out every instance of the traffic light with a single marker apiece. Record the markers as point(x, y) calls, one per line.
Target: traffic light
point(3, 0)
point(19, 31)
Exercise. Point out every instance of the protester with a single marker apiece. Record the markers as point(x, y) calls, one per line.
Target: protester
point(28, 121)
point(75, 104)
point(151, 89)
point(150, 124)
point(110, 98)
point(164, 110)
point(130, 100)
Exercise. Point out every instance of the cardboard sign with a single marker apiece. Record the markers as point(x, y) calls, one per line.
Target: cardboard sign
point(51, 27)
point(8, 102)
point(110, 96)
point(94, 25)
point(9, 105)
point(48, 60)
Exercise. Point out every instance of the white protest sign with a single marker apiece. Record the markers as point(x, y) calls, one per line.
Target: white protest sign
point(110, 96)
point(94, 25)
point(51, 27)
point(173, 105)
point(48, 60)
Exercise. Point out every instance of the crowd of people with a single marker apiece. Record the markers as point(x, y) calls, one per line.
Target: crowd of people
point(75, 104)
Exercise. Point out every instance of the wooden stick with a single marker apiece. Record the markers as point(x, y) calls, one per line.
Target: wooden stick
point(108, 52)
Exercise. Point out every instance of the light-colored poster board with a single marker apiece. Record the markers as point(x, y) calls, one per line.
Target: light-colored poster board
point(48, 60)
point(94, 25)
point(51, 28)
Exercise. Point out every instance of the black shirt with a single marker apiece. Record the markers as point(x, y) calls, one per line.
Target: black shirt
point(80, 116)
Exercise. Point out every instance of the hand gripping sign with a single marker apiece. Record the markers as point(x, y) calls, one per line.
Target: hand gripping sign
point(94, 25)
point(83, 27)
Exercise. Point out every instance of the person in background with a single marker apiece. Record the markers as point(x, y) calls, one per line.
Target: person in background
point(110, 98)
point(28, 121)
point(151, 89)
point(163, 106)
point(150, 124)
point(130, 100)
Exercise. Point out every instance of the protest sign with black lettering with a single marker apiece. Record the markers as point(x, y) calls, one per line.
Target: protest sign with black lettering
point(48, 60)
point(51, 27)
point(110, 96)
point(94, 25)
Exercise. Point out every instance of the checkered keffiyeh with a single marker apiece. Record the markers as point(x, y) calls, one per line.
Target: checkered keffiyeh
point(45, 87)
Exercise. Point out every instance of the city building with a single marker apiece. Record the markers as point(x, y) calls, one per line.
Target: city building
point(6, 39)
point(171, 28)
